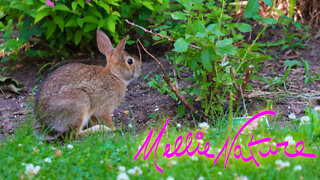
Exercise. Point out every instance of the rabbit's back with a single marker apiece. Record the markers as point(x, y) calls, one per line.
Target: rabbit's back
point(77, 86)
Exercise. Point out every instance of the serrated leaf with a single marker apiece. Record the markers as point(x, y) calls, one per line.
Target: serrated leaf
point(226, 50)
point(270, 21)
point(224, 42)
point(207, 56)
point(179, 16)
point(61, 7)
point(77, 37)
point(212, 27)
point(198, 26)
point(242, 27)
point(268, 2)
point(251, 9)
point(41, 14)
point(181, 45)
point(59, 21)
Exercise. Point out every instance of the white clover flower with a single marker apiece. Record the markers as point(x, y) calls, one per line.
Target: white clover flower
point(101, 161)
point(70, 146)
point(281, 165)
point(31, 170)
point(145, 165)
point(304, 120)
point(122, 169)
point(292, 116)
point(200, 141)
point(135, 171)
point(19, 145)
point(170, 178)
point(220, 173)
point(48, 160)
point(317, 108)
point(290, 140)
point(204, 126)
point(130, 125)
point(173, 162)
point(201, 178)
point(123, 176)
point(36, 150)
point(194, 158)
point(297, 168)
point(178, 125)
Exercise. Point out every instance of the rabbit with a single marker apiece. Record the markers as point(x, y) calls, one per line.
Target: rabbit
point(76, 92)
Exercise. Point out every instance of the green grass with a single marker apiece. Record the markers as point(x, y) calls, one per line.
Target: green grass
point(99, 156)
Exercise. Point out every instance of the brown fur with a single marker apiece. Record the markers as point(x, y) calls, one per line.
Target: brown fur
point(73, 93)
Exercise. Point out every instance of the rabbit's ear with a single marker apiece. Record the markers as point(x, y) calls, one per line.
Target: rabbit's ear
point(104, 43)
point(121, 46)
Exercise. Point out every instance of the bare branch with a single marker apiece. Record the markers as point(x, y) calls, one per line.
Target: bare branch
point(157, 34)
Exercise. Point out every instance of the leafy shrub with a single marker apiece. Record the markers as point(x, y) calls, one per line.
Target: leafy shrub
point(209, 43)
point(66, 24)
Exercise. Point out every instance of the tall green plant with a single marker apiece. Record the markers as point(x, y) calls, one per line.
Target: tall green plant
point(209, 43)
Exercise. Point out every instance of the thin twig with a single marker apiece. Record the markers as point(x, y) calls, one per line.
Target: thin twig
point(157, 34)
point(3, 93)
point(244, 85)
point(171, 86)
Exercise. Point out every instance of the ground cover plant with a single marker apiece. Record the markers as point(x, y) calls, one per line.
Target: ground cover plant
point(226, 66)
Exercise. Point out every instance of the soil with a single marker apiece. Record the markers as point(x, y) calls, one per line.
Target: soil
point(142, 103)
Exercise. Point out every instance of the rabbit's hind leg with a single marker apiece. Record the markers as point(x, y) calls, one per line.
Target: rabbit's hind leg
point(96, 128)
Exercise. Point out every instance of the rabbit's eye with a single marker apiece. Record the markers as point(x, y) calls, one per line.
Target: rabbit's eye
point(130, 61)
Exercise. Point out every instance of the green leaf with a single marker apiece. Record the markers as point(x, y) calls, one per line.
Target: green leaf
point(72, 22)
point(59, 21)
point(181, 110)
point(111, 24)
point(224, 42)
point(268, 2)
point(251, 9)
point(226, 50)
point(207, 55)
point(41, 14)
point(179, 16)
point(198, 26)
point(148, 5)
point(290, 63)
point(270, 21)
point(81, 3)
point(212, 28)
point(61, 7)
point(80, 21)
point(51, 28)
point(181, 45)
point(77, 37)
point(1, 25)
point(89, 27)
point(242, 27)
point(74, 5)
point(91, 19)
